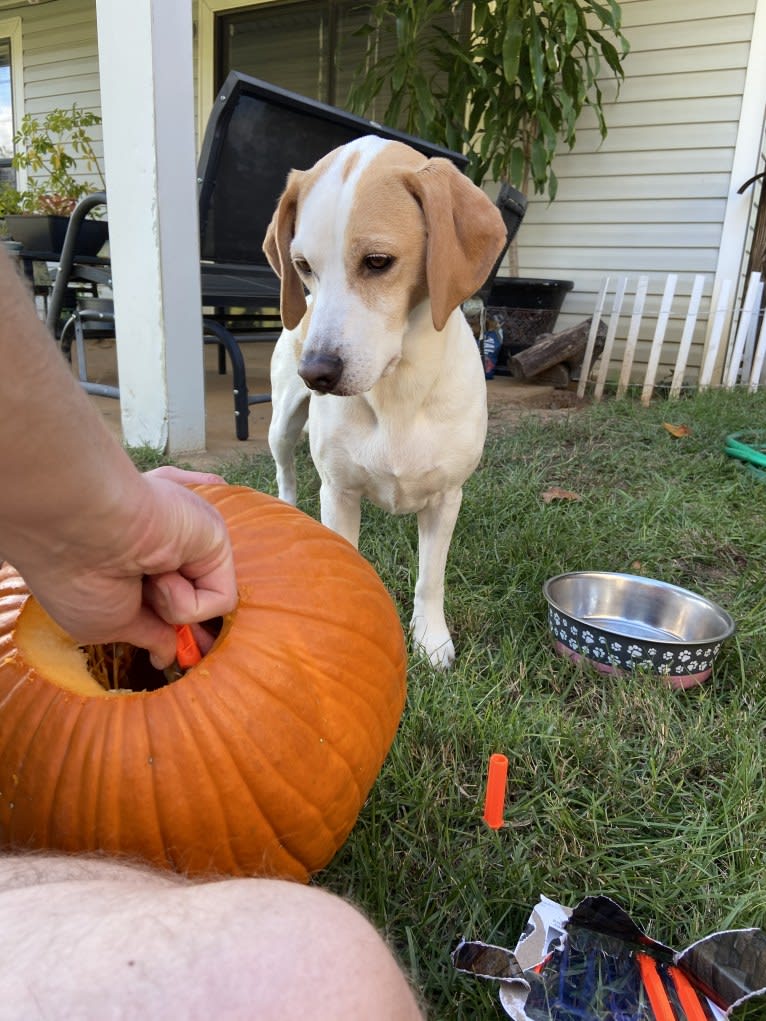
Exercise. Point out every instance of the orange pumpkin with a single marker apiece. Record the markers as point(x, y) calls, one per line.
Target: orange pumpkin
point(257, 761)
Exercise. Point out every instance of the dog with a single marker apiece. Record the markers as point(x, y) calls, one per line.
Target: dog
point(376, 248)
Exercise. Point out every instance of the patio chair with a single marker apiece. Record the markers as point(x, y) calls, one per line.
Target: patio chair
point(255, 135)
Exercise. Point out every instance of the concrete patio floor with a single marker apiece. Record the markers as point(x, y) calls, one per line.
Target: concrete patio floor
point(221, 439)
point(508, 400)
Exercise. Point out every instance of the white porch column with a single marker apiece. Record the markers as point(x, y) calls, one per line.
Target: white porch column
point(147, 97)
point(746, 162)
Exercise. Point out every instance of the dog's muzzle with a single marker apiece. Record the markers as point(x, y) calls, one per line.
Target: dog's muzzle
point(321, 372)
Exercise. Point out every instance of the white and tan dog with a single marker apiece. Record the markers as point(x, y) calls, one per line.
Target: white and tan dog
point(379, 358)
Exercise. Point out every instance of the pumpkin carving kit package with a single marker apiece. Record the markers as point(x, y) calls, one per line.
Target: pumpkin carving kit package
point(256, 761)
point(595, 963)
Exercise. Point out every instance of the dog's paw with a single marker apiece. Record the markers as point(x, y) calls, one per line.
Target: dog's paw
point(435, 643)
point(443, 657)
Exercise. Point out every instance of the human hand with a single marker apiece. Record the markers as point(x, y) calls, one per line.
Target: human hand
point(169, 562)
point(201, 590)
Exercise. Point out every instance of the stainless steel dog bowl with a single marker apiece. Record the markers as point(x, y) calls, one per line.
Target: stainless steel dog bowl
point(626, 622)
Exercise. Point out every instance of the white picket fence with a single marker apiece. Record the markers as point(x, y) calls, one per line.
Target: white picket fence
point(746, 338)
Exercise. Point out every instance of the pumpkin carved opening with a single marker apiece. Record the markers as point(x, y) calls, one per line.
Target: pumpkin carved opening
point(108, 669)
point(119, 667)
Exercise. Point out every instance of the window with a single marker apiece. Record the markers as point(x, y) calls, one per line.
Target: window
point(7, 173)
point(309, 48)
point(312, 47)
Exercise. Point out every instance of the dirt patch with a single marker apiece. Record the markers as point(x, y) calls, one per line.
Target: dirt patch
point(508, 401)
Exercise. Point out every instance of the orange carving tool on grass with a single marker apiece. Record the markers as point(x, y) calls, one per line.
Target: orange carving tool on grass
point(494, 800)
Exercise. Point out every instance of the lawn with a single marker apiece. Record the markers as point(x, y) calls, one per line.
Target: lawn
point(620, 786)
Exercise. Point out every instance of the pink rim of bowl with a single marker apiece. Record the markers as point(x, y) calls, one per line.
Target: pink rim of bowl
point(674, 680)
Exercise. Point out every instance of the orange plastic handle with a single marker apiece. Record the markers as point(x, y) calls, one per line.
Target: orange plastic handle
point(655, 990)
point(688, 995)
point(494, 800)
point(187, 650)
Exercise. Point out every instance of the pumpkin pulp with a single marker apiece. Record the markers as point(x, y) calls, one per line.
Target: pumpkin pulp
point(93, 670)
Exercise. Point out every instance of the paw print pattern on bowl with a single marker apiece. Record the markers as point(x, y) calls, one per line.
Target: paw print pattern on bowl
point(600, 646)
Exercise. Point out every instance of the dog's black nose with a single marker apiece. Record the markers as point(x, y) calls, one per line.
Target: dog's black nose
point(321, 372)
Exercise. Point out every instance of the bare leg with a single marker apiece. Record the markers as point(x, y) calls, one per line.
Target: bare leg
point(94, 939)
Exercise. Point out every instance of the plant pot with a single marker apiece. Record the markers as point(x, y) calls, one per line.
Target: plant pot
point(45, 233)
point(525, 307)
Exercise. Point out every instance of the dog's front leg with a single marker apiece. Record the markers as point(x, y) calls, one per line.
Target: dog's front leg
point(290, 399)
point(436, 523)
point(341, 511)
point(283, 446)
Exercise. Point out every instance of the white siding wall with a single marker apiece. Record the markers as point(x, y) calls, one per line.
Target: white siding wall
point(61, 60)
point(651, 198)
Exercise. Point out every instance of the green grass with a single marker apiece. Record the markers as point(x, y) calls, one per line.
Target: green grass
point(620, 786)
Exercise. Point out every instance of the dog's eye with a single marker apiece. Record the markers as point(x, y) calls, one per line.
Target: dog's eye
point(377, 262)
point(302, 266)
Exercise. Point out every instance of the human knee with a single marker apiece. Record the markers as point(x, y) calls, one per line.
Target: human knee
point(318, 952)
point(237, 947)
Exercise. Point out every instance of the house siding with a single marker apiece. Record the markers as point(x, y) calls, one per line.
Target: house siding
point(60, 56)
point(60, 61)
point(651, 198)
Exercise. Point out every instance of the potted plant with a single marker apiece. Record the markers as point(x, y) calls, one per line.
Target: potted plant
point(52, 149)
point(504, 81)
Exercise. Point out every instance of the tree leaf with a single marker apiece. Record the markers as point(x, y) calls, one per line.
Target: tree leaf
point(512, 52)
point(536, 60)
point(677, 430)
point(557, 493)
point(571, 21)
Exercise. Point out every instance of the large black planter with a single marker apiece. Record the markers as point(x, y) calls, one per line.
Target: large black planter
point(44, 233)
point(525, 307)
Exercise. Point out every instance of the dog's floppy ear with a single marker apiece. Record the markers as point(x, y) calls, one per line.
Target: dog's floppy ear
point(465, 231)
point(276, 245)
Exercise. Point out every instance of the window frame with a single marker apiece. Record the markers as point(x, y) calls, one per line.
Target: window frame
point(207, 54)
point(10, 28)
point(332, 11)
point(208, 9)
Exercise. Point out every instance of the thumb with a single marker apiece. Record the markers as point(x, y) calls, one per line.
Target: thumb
point(150, 632)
